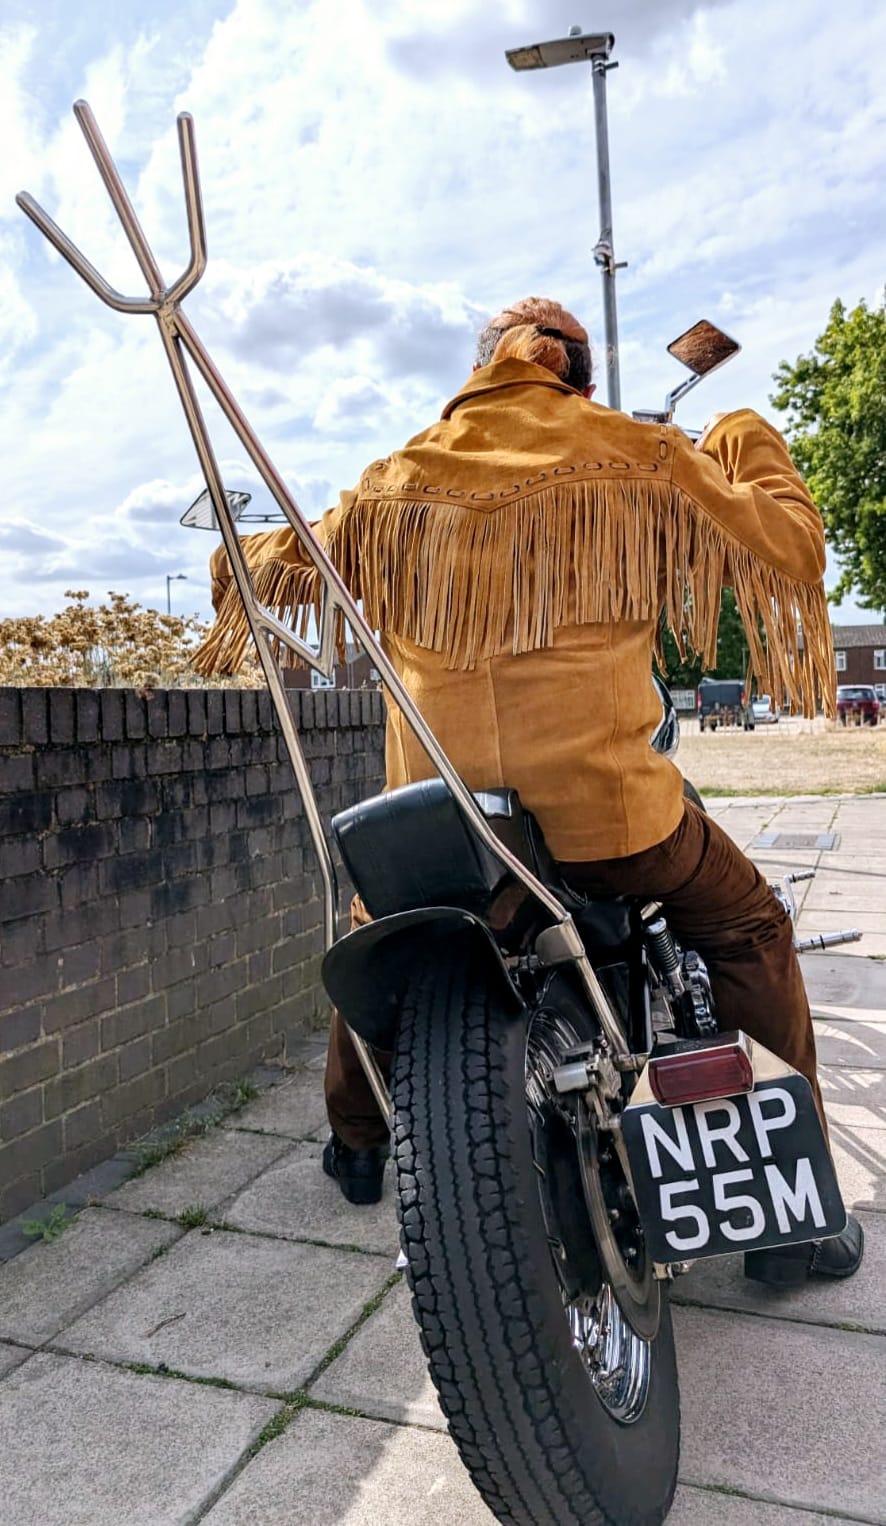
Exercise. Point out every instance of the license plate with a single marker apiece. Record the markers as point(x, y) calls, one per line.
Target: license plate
point(735, 1173)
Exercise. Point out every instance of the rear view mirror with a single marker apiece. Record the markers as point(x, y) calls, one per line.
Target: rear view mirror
point(703, 348)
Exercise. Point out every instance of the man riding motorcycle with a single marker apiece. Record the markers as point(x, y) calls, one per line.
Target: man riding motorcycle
point(516, 557)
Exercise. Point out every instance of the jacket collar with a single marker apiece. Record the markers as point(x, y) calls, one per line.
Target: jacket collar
point(506, 373)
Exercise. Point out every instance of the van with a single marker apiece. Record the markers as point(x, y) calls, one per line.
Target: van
point(723, 702)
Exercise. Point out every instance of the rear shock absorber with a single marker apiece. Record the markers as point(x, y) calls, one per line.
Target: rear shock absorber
point(664, 949)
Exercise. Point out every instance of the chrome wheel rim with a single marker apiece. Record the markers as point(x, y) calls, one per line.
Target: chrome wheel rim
point(616, 1359)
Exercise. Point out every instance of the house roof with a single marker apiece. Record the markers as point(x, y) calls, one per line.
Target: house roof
point(858, 635)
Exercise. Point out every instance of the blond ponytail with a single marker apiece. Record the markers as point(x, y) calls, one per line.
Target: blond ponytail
point(527, 342)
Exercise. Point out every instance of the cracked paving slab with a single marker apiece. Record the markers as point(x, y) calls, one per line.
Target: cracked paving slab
point(259, 1313)
point(295, 1109)
point(49, 1285)
point(293, 1198)
point(82, 1444)
point(382, 1371)
point(335, 1470)
point(203, 1173)
point(852, 1301)
point(758, 1396)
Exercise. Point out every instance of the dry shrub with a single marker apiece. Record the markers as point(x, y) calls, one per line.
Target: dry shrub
point(114, 645)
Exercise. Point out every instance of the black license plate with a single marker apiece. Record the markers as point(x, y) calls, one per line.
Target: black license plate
point(732, 1174)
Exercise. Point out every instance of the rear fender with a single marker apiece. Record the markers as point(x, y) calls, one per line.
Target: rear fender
point(365, 973)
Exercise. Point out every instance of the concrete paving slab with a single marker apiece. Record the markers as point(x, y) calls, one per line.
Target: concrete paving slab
point(827, 919)
point(760, 1395)
point(860, 1161)
point(859, 1301)
point(331, 1470)
point(833, 893)
point(205, 1172)
point(295, 1108)
point(382, 1372)
point(260, 1313)
point(85, 1445)
point(705, 1507)
point(12, 1356)
point(295, 1199)
point(51, 1284)
point(854, 1099)
point(847, 1014)
point(835, 980)
point(858, 1045)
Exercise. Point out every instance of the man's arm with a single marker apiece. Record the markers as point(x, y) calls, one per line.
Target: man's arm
point(765, 538)
point(284, 579)
point(742, 478)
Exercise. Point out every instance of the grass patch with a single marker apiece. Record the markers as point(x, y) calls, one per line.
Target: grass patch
point(292, 1406)
point(145, 1370)
point(50, 1228)
point(193, 1216)
point(226, 1099)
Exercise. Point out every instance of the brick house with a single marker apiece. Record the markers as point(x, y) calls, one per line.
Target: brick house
point(357, 673)
point(860, 653)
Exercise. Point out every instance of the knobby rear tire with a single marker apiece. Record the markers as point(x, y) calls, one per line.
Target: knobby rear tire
point(533, 1433)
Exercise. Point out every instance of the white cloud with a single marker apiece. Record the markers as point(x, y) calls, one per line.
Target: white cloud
point(376, 181)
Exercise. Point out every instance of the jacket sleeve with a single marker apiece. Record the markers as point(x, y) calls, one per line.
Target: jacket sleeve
point(284, 579)
point(755, 527)
point(744, 480)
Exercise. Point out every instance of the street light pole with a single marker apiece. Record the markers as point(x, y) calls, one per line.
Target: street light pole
point(173, 577)
point(603, 250)
point(593, 48)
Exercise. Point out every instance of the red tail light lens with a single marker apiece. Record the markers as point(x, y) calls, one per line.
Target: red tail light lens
point(718, 1070)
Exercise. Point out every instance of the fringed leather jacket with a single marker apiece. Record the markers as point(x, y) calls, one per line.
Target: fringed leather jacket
point(516, 558)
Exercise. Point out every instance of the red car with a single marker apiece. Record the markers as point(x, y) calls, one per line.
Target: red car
point(858, 703)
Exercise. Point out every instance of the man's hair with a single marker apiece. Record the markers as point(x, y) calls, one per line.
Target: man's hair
point(542, 331)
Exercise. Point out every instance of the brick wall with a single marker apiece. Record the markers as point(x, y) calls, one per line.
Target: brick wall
point(160, 926)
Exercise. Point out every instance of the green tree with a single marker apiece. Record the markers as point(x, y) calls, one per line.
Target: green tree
point(732, 651)
point(835, 399)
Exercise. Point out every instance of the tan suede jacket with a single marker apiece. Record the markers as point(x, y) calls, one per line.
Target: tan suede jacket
point(516, 558)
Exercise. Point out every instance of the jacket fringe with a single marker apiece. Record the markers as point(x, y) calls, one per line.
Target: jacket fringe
point(471, 583)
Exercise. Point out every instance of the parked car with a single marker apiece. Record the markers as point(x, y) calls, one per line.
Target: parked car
point(880, 691)
point(723, 702)
point(858, 703)
point(763, 710)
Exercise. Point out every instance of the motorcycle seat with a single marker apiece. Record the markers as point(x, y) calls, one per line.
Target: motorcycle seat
point(411, 847)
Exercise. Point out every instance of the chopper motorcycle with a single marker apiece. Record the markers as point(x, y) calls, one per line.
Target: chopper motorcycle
point(570, 1128)
point(551, 1181)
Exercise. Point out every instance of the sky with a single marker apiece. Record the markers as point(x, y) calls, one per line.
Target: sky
point(377, 182)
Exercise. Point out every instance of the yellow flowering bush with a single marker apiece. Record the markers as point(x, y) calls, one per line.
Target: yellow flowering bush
point(114, 645)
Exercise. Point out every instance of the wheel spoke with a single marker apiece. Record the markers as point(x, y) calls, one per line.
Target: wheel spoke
point(617, 1360)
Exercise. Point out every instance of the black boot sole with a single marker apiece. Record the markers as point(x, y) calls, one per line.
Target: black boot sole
point(793, 1266)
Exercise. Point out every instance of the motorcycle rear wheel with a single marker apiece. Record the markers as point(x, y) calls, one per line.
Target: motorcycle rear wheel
point(549, 1438)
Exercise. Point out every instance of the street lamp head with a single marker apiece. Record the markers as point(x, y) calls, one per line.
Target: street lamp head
point(578, 47)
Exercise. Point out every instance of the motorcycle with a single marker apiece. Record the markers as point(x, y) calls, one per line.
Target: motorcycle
point(550, 1185)
point(566, 1116)
point(549, 1189)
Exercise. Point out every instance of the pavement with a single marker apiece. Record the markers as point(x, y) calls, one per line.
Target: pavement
point(224, 1340)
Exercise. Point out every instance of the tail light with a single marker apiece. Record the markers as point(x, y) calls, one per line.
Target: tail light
point(698, 699)
point(741, 701)
point(696, 1071)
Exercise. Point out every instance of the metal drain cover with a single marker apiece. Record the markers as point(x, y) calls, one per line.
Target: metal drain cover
point(815, 842)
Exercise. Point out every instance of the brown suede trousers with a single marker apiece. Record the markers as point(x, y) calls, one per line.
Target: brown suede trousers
point(715, 901)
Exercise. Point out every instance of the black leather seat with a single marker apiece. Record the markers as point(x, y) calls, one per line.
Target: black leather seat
point(411, 847)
